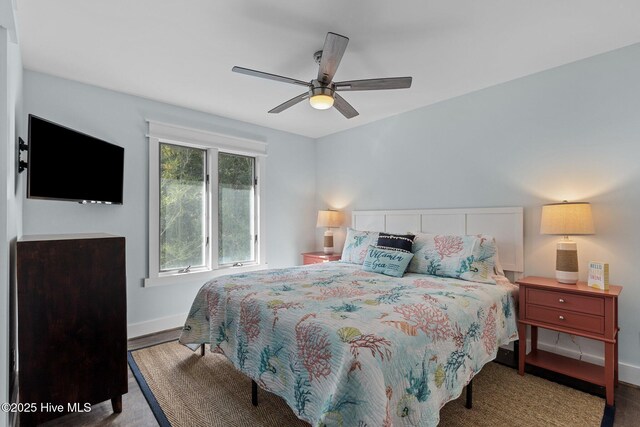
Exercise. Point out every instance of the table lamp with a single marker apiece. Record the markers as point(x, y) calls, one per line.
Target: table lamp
point(329, 219)
point(567, 219)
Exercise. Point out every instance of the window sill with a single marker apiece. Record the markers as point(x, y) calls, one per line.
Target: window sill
point(200, 276)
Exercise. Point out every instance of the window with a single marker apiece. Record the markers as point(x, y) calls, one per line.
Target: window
point(236, 212)
point(204, 204)
point(183, 207)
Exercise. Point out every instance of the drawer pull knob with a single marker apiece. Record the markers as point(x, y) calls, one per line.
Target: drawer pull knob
point(561, 317)
point(561, 300)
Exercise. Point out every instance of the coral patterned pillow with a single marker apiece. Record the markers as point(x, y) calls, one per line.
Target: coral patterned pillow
point(357, 244)
point(463, 257)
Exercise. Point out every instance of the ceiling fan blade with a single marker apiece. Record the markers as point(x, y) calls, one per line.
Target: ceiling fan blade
point(334, 47)
point(268, 76)
point(290, 103)
point(375, 84)
point(344, 107)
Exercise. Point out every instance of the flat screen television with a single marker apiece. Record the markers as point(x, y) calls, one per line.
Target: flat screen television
point(65, 164)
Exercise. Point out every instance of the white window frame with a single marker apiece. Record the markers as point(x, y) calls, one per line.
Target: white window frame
point(214, 143)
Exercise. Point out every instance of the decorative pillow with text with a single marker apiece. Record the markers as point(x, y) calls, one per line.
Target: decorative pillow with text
point(391, 262)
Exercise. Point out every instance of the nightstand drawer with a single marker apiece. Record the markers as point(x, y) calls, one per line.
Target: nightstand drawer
point(566, 301)
point(319, 257)
point(566, 319)
point(309, 260)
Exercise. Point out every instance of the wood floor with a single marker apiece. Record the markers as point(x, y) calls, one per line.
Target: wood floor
point(136, 411)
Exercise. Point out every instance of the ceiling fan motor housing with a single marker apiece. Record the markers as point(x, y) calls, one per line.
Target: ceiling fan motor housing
point(319, 88)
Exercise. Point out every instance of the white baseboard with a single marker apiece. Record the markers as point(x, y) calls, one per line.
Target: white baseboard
point(627, 373)
point(155, 325)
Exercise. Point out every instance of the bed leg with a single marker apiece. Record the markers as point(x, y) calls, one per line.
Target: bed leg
point(469, 403)
point(202, 350)
point(254, 393)
point(516, 352)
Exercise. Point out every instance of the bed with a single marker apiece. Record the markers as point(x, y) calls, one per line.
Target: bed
point(348, 347)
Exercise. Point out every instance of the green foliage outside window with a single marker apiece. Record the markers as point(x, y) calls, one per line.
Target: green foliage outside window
point(235, 208)
point(183, 210)
point(182, 207)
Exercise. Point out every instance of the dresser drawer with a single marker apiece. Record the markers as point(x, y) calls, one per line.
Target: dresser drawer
point(566, 301)
point(565, 318)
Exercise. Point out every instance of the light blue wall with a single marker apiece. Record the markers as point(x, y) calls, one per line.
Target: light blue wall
point(572, 133)
point(4, 240)
point(10, 200)
point(120, 119)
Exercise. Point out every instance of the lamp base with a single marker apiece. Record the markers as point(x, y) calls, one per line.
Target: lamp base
point(567, 277)
point(328, 242)
point(567, 262)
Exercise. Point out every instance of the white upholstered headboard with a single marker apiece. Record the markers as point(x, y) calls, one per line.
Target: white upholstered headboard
point(505, 224)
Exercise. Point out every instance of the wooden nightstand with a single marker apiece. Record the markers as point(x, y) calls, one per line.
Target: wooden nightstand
point(318, 257)
point(572, 309)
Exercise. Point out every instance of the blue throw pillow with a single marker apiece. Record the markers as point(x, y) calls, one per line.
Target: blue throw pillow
point(391, 262)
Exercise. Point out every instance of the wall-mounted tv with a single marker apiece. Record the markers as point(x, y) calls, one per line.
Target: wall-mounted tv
point(65, 164)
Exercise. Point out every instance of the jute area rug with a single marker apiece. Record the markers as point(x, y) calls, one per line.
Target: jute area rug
point(185, 389)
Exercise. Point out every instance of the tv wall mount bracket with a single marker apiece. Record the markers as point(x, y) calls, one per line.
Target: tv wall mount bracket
point(22, 146)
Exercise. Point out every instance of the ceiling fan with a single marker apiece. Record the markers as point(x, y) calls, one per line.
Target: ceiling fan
point(322, 91)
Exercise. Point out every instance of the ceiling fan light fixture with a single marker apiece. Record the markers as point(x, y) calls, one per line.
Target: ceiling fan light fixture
point(321, 102)
point(321, 96)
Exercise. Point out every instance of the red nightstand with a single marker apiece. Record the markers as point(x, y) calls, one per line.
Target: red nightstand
point(319, 257)
point(573, 309)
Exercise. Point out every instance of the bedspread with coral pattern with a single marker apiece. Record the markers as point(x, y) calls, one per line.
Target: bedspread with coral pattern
point(346, 347)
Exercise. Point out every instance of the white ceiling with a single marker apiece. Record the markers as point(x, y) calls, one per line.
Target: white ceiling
point(181, 52)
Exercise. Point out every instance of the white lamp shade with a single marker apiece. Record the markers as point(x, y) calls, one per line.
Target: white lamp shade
point(329, 219)
point(567, 219)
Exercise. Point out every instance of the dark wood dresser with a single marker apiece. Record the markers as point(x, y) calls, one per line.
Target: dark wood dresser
point(72, 323)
